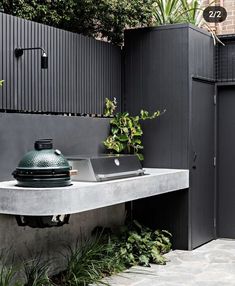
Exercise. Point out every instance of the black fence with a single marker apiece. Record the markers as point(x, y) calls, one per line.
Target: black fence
point(81, 72)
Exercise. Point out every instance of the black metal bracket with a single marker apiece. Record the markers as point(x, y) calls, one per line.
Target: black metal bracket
point(42, 221)
point(20, 51)
point(20, 220)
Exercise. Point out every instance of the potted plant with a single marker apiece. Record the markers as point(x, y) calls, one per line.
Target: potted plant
point(126, 131)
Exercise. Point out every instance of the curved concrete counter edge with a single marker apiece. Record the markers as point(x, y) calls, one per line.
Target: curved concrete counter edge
point(84, 196)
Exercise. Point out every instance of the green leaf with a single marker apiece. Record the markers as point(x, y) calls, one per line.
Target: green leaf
point(144, 260)
point(144, 114)
point(157, 257)
point(110, 106)
point(125, 130)
point(140, 156)
point(114, 130)
point(136, 141)
point(138, 133)
point(136, 223)
point(122, 138)
point(136, 119)
point(114, 121)
point(123, 251)
point(166, 232)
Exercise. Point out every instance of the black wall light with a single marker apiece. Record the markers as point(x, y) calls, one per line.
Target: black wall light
point(44, 58)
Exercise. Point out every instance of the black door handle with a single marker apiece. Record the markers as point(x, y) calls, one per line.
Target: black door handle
point(194, 167)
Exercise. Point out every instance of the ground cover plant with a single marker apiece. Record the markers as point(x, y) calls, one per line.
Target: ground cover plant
point(125, 130)
point(36, 272)
point(89, 262)
point(108, 253)
point(8, 272)
point(139, 245)
point(103, 254)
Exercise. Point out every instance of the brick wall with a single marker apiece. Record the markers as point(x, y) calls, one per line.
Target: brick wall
point(228, 26)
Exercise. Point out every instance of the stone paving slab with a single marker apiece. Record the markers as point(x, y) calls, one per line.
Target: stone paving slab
point(212, 264)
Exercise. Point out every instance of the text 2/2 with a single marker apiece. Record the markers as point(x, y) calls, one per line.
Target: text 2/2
point(215, 14)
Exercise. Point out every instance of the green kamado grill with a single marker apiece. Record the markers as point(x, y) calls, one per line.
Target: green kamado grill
point(43, 167)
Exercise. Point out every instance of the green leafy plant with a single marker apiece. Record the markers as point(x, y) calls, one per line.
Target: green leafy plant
point(166, 11)
point(107, 18)
point(93, 259)
point(178, 11)
point(8, 272)
point(90, 261)
point(141, 246)
point(36, 272)
point(1, 82)
point(182, 11)
point(107, 253)
point(126, 131)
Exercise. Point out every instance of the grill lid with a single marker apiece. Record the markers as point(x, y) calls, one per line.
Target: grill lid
point(43, 157)
point(105, 167)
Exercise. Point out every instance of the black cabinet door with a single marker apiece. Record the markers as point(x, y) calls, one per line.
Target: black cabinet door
point(226, 159)
point(202, 150)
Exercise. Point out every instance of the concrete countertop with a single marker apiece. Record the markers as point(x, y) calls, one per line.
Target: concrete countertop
point(84, 196)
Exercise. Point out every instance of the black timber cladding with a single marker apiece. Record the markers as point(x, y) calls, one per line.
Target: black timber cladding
point(156, 77)
point(81, 72)
point(201, 55)
point(161, 65)
point(225, 159)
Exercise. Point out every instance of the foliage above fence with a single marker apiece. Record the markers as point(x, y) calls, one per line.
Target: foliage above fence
point(105, 18)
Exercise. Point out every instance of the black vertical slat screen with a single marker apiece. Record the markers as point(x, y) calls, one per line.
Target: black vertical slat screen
point(1, 58)
point(81, 72)
point(225, 59)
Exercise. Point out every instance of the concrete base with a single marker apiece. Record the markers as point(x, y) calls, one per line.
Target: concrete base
point(26, 242)
point(86, 196)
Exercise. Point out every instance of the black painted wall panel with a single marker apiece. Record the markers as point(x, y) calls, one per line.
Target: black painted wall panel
point(156, 77)
point(201, 54)
point(226, 156)
point(82, 71)
point(70, 134)
point(159, 66)
point(166, 211)
point(202, 195)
